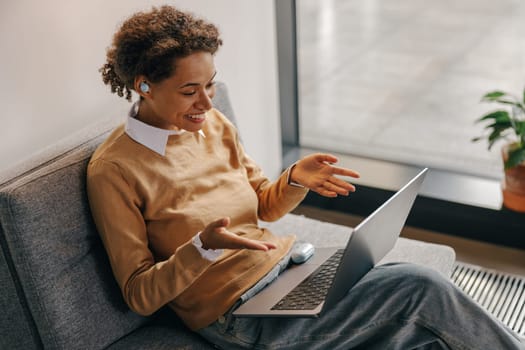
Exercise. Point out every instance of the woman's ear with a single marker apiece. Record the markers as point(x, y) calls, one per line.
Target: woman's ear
point(142, 86)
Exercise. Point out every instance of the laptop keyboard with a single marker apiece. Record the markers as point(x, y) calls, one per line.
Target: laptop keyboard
point(312, 290)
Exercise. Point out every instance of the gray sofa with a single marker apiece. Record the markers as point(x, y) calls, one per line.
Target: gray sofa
point(58, 291)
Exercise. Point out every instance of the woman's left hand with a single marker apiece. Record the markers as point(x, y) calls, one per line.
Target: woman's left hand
point(317, 173)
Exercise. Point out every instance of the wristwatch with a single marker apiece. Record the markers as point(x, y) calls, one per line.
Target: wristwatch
point(289, 179)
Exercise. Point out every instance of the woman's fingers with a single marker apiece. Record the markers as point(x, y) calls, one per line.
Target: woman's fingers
point(217, 236)
point(338, 183)
point(326, 158)
point(247, 243)
point(345, 172)
point(330, 160)
point(219, 224)
point(324, 192)
point(333, 186)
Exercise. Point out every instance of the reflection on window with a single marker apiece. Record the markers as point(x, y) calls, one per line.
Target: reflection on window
point(402, 80)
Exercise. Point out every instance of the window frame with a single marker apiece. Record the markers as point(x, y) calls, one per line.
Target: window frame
point(452, 203)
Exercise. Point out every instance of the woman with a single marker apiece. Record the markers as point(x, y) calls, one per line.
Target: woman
point(176, 201)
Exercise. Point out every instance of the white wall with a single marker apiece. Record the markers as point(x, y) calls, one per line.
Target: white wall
point(51, 52)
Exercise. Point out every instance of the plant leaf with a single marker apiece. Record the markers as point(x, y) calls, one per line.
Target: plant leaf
point(500, 125)
point(498, 116)
point(501, 97)
point(509, 102)
point(516, 156)
point(493, 95)
point(495, 135)
point(520, 127)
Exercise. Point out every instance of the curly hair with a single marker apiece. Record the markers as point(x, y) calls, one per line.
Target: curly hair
point(148, 43)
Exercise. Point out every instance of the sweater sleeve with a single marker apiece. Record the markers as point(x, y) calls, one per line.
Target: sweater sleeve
point(275, 198)
point(146, 285)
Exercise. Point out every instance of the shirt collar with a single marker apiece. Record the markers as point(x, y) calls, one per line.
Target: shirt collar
point(152, 137)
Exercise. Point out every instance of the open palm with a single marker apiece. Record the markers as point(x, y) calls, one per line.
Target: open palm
point(317, 173)
point(216, 236)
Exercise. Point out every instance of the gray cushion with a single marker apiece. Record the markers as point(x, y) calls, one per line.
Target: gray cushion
point(221, 101)
point(18, 332)
point(322, 234)
point(59, 259)
point(166, 333)
point(161, 338)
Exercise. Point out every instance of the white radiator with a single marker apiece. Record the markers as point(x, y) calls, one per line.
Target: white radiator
point(501, 294)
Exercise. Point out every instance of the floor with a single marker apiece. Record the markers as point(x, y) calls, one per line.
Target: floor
point(402, 80)
point(503, 259)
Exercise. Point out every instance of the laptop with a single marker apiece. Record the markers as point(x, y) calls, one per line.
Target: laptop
point(308, 289)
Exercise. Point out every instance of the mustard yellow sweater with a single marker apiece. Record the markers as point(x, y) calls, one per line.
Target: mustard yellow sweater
point(147, 207)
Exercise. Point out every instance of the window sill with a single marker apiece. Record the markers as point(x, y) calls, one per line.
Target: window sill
point(452, 203)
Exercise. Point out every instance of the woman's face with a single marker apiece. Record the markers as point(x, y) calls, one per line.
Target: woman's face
point(181, 101)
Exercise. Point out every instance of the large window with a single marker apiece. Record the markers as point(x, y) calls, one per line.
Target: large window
point(402, 80)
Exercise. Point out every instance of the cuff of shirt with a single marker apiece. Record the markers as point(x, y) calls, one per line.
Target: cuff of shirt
point(289, 180)
point(208, 254)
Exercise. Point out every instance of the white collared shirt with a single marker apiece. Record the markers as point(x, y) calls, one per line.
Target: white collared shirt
point(149, 136)
point(156, 140)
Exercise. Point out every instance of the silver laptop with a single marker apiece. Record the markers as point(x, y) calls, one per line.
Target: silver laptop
point(308, 289)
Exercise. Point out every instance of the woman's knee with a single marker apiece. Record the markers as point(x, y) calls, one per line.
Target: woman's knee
point(415, 277)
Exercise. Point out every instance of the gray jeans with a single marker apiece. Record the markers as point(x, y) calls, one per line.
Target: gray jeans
point(395, 306)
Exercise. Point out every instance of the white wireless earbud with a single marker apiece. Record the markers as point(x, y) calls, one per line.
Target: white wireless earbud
point(144, 87)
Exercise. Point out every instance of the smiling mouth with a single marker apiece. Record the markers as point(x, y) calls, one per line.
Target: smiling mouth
point(196, 117)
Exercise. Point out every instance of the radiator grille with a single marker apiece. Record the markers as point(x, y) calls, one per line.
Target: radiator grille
point(501, 294)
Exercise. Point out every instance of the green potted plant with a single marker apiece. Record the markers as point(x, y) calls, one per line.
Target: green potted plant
point(508, 124)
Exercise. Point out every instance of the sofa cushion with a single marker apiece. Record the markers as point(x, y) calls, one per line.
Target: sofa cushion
point(165, 333)
point(18, 331)
point(163, 337)
point(322, 234)
point(59, 258)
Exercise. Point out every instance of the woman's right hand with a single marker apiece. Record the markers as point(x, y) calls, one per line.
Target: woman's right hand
point(216, 236)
